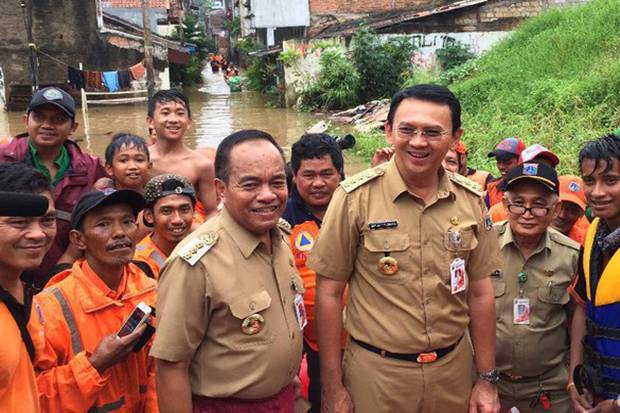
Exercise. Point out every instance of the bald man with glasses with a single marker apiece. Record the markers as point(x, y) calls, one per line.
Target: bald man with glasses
point(531, 297)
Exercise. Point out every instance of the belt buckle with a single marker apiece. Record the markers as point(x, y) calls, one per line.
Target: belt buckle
point(424, 358)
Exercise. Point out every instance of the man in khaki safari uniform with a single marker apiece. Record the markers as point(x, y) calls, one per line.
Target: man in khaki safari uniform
point(531, 294)
point(417, 248)
point(230, 301)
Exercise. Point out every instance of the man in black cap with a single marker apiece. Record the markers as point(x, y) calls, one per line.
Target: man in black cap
point(50, 121)
point(531, 294)
point(84, 363)
point(170, 201)
point(506, 155)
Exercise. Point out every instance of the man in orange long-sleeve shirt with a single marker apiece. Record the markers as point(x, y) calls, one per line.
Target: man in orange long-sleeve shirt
point(28, 227)
point(81, 363)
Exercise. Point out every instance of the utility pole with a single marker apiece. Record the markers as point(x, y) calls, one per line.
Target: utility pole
point(33, 49)
point(181, 28)
point(148, 49)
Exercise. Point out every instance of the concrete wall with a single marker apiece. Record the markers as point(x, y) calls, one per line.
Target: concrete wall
point(427, 44)
point(299, 75)
point(66, 30)
point(134, 15)
point(280, 13)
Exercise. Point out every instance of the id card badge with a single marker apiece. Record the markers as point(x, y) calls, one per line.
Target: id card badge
point(300, 311)
point(521, 311)
point(458, 277)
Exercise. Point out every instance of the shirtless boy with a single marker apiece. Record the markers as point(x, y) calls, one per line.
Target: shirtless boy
point(170, 116)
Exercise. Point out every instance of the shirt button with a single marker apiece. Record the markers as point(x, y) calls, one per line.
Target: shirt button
point(284, 300)
point(252, 305)
point(293, 335)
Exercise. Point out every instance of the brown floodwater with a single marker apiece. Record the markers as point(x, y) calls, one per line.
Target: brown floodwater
point(216, 112)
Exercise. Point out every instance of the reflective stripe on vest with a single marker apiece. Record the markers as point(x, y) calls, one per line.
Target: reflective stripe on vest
point(110, 407)
point(63, 215)
point(76, 342)
point(158, 258)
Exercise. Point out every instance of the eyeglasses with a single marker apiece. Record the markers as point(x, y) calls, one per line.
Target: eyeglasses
point(428, 134)
point(536, 211)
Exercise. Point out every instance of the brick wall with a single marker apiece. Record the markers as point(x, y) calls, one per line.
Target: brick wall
point(362, 6)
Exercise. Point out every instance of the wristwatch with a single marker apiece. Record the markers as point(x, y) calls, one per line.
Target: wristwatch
point(492, 376)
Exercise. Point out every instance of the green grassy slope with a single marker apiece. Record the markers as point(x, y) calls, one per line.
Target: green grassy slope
point(554, 81)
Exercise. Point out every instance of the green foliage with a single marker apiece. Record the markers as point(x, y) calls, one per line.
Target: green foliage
point(290, 57)
point(453, 54)
point(337, 84)
point(382, 65)
point(194, 33)
point(366, 143)
point(261, 76)
point(247, 44)
point(233, 26)
point(554, 81)
point(460, 72)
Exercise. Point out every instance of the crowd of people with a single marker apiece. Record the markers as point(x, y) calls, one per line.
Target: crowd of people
point(166, 279)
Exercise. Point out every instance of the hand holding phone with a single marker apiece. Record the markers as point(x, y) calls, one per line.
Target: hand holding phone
point(138, 316)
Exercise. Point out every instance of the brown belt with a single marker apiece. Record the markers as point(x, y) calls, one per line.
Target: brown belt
point(421, 358)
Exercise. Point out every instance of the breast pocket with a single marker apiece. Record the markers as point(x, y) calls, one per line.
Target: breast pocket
point(458, 242)
point(253, 319)
point(386, 255)
point(552, 300)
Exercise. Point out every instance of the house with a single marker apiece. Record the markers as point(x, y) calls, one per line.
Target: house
point(66, 34)
point(271, 21)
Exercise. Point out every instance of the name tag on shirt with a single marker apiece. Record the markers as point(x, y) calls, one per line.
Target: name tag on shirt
point(521, 311)
point(458, 277)
point(300, 311)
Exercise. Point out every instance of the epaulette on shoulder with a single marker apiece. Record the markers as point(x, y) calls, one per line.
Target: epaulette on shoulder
point(197, 247)
point(563, 239)
point(361, 178)
point(465, 183)
point(285, 226)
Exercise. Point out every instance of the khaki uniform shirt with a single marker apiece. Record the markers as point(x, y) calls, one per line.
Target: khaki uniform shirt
point(371, 215)
point(531, 350)
point(209, 293)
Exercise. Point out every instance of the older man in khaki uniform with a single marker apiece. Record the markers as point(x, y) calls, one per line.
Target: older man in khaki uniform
point(416, 246)
point(531, 294)
point(230, 305)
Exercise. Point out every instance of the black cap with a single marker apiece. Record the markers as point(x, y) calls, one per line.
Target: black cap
point(53, 96)
point(92, 200)
point(536, 172)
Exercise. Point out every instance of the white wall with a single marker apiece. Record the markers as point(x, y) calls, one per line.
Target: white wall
point(427, 44)
point(280, 13)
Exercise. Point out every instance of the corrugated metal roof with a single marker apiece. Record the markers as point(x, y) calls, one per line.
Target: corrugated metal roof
point(392, 18)
point(132, 4)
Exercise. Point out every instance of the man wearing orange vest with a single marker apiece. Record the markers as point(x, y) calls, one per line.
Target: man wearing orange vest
point(81, 363)
point(317, 163)
point(28, 226)
point(506, 154)
point(170, 201)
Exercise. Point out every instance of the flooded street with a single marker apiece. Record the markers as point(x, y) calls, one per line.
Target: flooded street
point(215, 112)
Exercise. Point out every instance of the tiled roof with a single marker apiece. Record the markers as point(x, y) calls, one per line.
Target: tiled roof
point(131, 4)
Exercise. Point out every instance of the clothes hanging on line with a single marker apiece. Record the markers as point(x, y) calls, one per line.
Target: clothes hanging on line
point(137, 71)
point(76, 77)
point(94, 80)
point(124, 79)
point(110, 81)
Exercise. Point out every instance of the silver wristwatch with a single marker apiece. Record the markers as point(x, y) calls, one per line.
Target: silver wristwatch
point(492, 376)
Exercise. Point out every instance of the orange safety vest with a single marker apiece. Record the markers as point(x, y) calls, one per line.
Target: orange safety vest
point(480, 177)
point(493, 194)
point(147, 251)
point(303, 236)
point(68, 320)
point(18, 387)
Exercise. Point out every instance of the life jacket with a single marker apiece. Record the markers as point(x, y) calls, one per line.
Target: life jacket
point(602, 340)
